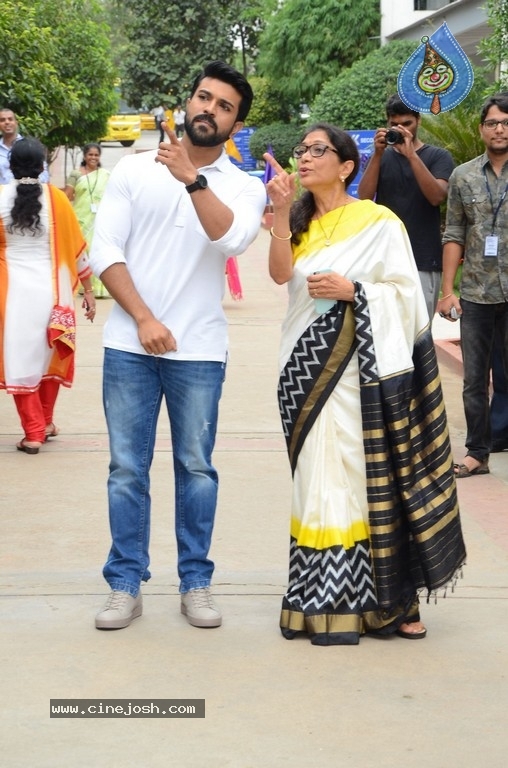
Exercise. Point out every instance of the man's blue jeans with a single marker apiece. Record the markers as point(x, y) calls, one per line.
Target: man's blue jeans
point(480, 325)
point(133, 388)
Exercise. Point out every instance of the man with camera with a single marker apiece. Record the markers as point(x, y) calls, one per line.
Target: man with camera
point(411, 178)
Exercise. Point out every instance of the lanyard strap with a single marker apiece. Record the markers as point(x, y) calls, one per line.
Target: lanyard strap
point(496, 211)
point(91, 191)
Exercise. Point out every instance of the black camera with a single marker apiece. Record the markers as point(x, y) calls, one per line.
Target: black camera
point(394, 137)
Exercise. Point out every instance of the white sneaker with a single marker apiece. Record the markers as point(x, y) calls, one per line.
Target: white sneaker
point(200, 609)
point(120, 609)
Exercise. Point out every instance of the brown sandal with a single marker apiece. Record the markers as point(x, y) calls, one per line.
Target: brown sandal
point(28, 446)
point(51, 431)
point(408, 635)
point(462, 470)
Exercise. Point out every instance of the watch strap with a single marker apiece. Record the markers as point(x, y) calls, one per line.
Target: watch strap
point(200, 183)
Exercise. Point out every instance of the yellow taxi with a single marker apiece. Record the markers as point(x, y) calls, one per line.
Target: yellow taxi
point(125, 128)
point(147, 121)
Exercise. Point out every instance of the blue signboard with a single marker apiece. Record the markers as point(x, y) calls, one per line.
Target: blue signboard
point(364, 140)
point(242, 138)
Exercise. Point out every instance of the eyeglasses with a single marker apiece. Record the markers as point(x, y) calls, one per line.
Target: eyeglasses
point(315, 150)
point(492, 124)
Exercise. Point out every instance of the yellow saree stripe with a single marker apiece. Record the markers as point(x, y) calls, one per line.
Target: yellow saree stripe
point(323, 538)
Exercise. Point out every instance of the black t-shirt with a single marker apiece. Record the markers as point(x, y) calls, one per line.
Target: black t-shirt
point(398, 189)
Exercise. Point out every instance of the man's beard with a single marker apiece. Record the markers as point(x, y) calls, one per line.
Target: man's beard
point(499, 150)
point(200, 139)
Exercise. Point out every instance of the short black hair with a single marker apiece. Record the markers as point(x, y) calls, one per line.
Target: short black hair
point(87, 148)
point(499, 100)
point(395, 106)
point(219, 70)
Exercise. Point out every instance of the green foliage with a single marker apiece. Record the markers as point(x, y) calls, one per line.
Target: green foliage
point(268, 105)
point(494, 48)
point(168, 45)
point(281, 137)
point(29, 81)
point(356, 98)
point(458, 129)
point(55, 69)
point(305, 43)
point(248, 19)
point(85, 66)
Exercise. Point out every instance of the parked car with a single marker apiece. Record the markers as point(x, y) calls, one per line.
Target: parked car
point(147, 121)
point(125, 128)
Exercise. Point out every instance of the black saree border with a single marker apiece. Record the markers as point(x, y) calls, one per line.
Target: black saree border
point(414, 519)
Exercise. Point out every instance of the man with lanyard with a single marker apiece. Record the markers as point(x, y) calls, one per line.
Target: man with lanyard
point(9, 134)
point(477, 232)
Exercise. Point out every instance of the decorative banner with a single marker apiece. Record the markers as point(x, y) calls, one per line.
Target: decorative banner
point(437, 76)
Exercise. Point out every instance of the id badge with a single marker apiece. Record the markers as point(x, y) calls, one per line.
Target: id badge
point(491, 245)
point(93, 208)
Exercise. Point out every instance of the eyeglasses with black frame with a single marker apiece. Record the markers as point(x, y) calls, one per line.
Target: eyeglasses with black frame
point(315, 150)
point(492, 124)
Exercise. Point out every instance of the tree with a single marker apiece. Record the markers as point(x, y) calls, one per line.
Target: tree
point(55, 69)
point(356, 98)
point(168, 45)
point(494, 48)
point(305, 44)
point(85, 66)
point(269, 105)
point(29, 82)
point(248, 20)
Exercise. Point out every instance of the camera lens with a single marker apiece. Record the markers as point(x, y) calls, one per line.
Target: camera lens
point(394, 137)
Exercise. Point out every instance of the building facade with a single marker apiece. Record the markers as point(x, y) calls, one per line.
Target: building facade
point(412, 19)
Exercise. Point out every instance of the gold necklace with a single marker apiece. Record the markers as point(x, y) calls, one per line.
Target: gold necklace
point(328, 239)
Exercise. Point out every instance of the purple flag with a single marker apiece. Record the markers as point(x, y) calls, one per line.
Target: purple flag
point(269, 172)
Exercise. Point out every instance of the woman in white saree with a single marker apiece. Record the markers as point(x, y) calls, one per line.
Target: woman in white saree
point(374, 514)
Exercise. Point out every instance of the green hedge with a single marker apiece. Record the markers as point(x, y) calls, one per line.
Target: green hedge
point(282, 137)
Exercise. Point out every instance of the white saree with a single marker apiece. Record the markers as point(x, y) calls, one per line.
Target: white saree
point(334, 593)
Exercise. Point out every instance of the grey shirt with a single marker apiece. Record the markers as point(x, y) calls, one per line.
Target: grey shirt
point(469, 220)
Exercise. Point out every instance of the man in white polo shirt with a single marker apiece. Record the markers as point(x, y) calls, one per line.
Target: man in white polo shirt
point(168, 221)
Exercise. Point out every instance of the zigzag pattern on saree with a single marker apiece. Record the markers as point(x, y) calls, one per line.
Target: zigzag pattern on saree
point(302, 369)
point(331, 578)
point(365, 343)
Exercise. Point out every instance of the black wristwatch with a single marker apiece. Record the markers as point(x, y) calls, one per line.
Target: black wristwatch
point(200, 183)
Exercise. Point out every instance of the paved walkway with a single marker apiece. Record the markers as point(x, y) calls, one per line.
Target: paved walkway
point(269, 702)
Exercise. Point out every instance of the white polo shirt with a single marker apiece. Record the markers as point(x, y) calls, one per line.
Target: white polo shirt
point(146, 220)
